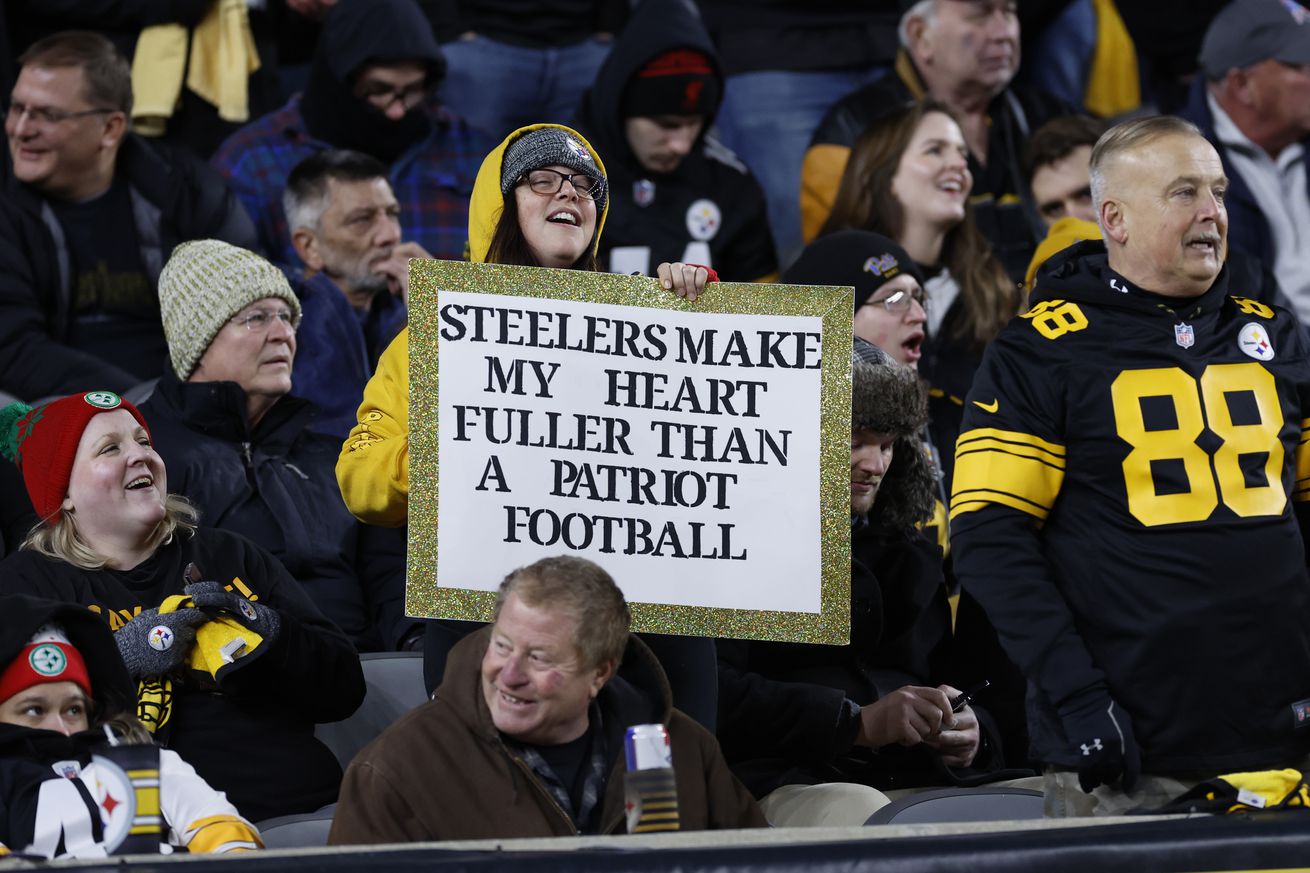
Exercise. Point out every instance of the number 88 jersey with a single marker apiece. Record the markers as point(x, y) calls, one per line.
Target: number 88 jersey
point(1155, 446)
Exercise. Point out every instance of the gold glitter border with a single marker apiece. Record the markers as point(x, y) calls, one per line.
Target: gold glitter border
point(835, 305)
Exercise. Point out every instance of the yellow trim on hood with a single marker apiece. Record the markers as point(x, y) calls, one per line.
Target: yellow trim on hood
point(487, 202)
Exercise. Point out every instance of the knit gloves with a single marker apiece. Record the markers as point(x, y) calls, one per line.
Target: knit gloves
point(152, 644)
point(211, 597)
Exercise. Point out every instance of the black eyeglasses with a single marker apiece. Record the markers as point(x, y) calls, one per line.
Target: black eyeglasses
point(547, 181)
point(47, 115)
point(899, 301)
point(382, 96)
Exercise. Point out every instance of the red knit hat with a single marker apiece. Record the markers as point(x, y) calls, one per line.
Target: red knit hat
point(43, 443)
point(49, 657)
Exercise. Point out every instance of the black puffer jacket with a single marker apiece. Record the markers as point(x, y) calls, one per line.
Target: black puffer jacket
point(275, 485)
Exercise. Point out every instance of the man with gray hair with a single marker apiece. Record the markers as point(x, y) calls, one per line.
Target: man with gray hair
point(1130, 484)
point(964, 53)
point(345, 226)
point(524, 736)
point(1253, 104)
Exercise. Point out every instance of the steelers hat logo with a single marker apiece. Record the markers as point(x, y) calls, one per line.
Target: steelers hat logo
point(48, 660)
point(160, 638)
point(103, 399)
point(578, 149)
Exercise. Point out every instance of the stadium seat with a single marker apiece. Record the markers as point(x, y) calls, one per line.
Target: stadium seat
point(306, 830)
point(961, 804)
point(394, 682)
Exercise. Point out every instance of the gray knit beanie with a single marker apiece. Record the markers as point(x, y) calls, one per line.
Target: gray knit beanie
point(204, 284)
point(548, 146)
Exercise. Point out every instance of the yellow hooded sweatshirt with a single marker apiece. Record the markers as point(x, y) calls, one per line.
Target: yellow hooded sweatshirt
point(373, 468)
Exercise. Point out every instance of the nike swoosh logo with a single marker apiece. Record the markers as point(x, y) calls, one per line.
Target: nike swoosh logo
point(988, 407)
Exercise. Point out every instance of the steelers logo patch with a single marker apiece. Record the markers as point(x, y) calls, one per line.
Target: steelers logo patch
point(704, 220)
point(247, 610)
point(160, 638)
point(103, 399)
point(1254, 341)
point(578, 149)
point(48, 660)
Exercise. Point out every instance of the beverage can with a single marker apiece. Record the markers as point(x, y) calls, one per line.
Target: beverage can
point(646, 747)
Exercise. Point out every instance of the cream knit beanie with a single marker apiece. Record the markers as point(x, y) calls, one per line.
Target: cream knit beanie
point(202, 286)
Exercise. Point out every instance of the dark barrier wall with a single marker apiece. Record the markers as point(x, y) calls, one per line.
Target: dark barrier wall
point(1269, 841)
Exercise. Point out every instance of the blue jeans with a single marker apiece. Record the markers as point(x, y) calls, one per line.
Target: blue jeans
point(499, 87)
point(767, 118)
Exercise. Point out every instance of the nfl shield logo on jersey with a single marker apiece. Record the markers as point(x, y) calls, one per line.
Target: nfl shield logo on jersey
point(1184, 335)
point(1254, 340)
point(643, 192)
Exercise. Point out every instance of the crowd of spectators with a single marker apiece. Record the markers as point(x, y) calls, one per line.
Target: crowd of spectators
point(1077, 235)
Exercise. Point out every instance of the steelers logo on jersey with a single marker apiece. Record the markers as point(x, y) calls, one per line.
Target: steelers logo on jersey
point(1253, 339)
point(704, 220)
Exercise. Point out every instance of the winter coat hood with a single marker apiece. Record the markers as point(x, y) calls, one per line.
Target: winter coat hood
point(638, 692)
point(655, 28)
point(359, 31)
point(487, 203)
point(1082, 274)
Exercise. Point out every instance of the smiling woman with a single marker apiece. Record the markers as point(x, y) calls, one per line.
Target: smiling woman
point(908, 178)
point(188, 607)
point(540, 200)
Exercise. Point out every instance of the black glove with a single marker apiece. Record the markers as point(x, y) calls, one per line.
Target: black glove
point(152, 644)
point(1102, 735)
point(211, 597)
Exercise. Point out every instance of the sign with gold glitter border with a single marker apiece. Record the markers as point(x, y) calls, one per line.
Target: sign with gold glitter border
point(699, 452)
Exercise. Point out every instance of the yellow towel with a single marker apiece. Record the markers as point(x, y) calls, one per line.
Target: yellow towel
point(1113, 86)
point(223, 55)
point(157, 69)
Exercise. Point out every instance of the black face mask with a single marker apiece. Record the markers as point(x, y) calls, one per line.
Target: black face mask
point(334, 114)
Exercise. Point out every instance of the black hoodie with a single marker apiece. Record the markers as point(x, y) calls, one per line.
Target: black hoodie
point(710, 210)
point(358, 32)
point(1123, 508)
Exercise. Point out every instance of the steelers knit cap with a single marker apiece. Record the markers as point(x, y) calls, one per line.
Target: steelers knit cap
point(545, 147)
point(204, 284)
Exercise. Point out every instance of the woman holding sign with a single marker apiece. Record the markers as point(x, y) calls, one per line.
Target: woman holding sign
point(540, 200)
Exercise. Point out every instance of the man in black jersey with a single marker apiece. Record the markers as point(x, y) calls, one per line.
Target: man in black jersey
point(1127, 487)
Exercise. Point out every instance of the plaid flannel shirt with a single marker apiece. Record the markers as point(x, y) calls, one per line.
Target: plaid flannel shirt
point(593, 781)
point(432, 181)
